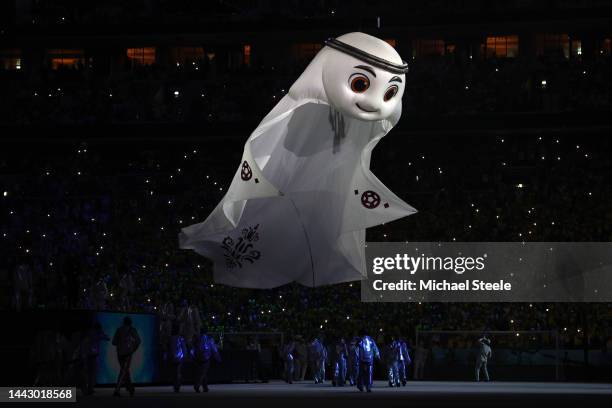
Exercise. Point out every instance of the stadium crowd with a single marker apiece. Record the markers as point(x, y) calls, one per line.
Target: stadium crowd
point(95, 227)
point(199, 92)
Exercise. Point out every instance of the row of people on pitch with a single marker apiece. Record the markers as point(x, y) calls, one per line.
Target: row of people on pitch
point(353, 361)
point(204, 350)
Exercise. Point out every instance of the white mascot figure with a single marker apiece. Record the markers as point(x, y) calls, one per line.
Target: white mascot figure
point(303, 194)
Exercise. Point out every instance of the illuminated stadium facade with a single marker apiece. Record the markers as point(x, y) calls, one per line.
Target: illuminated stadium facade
point(40, 34)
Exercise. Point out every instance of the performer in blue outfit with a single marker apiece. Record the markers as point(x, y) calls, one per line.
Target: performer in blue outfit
point(340, 355)
point(353, 360)
point(178, 353)
point(205, 350)
point(289, 358)
point(367, 351)
point(392, 357)
point(318, 358)
point(404, 361)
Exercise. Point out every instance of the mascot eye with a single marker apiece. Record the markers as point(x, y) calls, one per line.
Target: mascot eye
point(391, 92)
point(359, 83)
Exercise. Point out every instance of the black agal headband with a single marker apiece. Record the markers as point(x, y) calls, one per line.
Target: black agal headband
point(367, 57)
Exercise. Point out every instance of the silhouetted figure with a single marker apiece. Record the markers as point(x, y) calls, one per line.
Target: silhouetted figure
point(46, 356)
point(177, 348)
point(353, 360)
point(167, 320)
point(91, 351)
point(255, 346)
point(289, 360)
point(205, 349)
point(301, 358)
point(127, 341)
point(72, 358)
point(420, 357)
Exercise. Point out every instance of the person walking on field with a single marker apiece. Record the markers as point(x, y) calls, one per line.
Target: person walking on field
point(484, 354)
point(205, 350)
point(127, 341)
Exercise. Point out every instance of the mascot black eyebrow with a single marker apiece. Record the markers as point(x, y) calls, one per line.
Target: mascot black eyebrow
point(303, 194)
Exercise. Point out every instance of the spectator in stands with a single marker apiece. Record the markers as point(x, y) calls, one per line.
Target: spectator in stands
point(167, 322)
point(22, 285)
point(126, 291)
point(100, 294)
point(190, 320)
